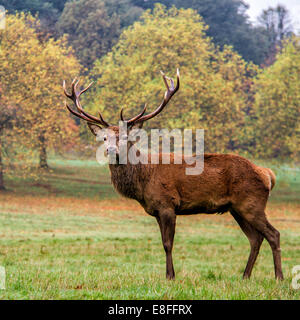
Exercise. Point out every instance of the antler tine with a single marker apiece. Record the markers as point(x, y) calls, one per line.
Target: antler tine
point(167, 96)
point(75, 98)
point(75, 113)
point(65, 90)
point(74, 87)
point(135, 118)
point(121, 115)
point(177, 77)
point(106, 124)
point(84, 90)
point(165, 80)
point(95, 119)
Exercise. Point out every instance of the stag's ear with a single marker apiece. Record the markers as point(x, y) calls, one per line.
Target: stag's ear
point(138, 125)
point(95, 129)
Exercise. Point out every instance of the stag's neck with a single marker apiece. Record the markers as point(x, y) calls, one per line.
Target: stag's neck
point(129, 180)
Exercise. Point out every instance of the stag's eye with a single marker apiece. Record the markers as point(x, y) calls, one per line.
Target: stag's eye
point(104, 139)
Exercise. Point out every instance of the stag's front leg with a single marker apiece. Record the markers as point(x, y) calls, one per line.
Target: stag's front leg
point(167, 221)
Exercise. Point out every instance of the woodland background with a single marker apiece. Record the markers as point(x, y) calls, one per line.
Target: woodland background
point(240, 82)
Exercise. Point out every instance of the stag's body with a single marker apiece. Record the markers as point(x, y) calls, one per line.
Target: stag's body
point(227, 183)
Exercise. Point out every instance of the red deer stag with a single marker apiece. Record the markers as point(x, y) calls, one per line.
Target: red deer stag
point(227, 183)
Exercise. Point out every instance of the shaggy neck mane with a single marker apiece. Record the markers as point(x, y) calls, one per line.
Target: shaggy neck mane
point(129, 180)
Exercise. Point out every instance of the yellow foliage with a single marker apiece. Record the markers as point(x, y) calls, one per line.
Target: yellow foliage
point(277, 105)
point(215, 84)
point(31, 73)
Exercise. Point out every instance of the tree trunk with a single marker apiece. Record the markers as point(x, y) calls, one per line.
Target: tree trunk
point(43, 153)
point(1, 170)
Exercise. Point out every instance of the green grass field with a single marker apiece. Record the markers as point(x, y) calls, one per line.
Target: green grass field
point(70, 236)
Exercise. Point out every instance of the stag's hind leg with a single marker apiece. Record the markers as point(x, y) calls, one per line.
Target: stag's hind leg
point(167, 221)
point(273, 237)
point(255, 239)
point(258, 220)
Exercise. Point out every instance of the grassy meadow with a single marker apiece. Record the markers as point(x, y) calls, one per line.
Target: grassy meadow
point(70, 236)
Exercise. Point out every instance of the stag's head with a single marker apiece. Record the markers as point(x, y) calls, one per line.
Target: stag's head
point(115, 135)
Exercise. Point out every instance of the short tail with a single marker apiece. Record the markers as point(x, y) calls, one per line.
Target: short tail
point(272, 177)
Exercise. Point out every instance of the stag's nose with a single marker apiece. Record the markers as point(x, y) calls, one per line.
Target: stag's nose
point(111, 150)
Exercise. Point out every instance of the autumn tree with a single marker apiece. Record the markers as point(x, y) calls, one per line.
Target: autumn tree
point(277, 105)
point(31, 78)
point(47, 11)
point(277, 23)
point(126, 11)
point(100, 22)
point(90, 30)
point(6, 116)
point(228, 25)
point(214, 94)
point(10, 96)
point(277, 26)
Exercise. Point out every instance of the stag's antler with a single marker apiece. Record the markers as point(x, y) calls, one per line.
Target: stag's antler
point(74, 96)
point(167, 97)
